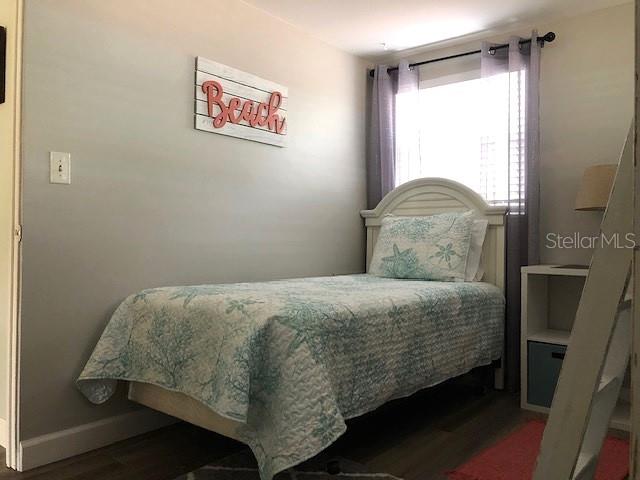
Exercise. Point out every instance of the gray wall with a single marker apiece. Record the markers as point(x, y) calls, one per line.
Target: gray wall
point(586, 108)
point(155, 202)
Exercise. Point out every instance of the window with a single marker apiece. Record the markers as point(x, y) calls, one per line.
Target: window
point(469, 130)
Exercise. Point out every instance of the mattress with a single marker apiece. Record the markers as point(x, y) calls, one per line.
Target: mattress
point(288, 361)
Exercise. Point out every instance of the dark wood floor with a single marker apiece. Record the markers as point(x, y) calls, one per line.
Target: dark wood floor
point(415, 438)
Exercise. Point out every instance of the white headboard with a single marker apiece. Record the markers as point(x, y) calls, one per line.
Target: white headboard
point(428, 196)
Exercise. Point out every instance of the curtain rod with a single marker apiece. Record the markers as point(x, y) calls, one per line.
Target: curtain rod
point(548, 37)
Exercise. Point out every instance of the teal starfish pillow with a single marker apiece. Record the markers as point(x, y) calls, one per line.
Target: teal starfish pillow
point(428, 248)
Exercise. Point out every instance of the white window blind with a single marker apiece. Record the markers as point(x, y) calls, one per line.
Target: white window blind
point(467, 129)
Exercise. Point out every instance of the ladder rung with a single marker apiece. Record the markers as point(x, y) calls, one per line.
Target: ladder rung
point(607, 382)
point(583, 466)
point(624, 305)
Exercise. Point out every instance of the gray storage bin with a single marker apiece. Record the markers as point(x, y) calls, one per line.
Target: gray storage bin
point(544, 364)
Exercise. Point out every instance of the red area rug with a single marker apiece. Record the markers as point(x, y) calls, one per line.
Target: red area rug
point(514, 458)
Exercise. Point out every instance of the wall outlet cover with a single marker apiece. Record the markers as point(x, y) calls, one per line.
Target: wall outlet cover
point(60, 167)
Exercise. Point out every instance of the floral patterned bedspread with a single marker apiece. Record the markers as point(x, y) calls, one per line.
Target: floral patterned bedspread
point(292, 359)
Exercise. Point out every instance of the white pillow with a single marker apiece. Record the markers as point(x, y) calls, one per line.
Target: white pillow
point(474, 271)
point(433, 247)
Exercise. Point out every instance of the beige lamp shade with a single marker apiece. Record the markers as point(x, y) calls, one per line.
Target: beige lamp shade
point(596, 187)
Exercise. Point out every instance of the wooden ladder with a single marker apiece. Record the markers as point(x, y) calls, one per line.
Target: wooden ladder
point(598, 353)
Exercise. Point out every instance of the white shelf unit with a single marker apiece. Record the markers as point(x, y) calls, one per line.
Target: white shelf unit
point(549, 300)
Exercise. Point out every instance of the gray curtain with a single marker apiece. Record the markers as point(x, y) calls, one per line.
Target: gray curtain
point(520, 66)
point(381, 155)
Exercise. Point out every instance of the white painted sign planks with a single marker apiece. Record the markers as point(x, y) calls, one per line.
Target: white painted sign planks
point(239, 104)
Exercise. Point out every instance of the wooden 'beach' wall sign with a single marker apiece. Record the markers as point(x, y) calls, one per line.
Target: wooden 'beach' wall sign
point(239, 104)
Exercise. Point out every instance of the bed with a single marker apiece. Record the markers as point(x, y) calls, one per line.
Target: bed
point(281, 365)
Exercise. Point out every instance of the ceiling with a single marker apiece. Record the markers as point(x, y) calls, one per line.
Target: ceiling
point(362, 26)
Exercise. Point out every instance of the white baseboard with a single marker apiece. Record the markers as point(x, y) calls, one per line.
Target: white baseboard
point(56, 446)
point(4, 433)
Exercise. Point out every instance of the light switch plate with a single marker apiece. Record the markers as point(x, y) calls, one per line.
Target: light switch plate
point(60, 167)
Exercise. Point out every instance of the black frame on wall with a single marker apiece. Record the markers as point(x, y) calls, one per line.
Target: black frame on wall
point(3, 62)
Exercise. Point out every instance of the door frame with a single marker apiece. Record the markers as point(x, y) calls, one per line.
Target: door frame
point(14, 88)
